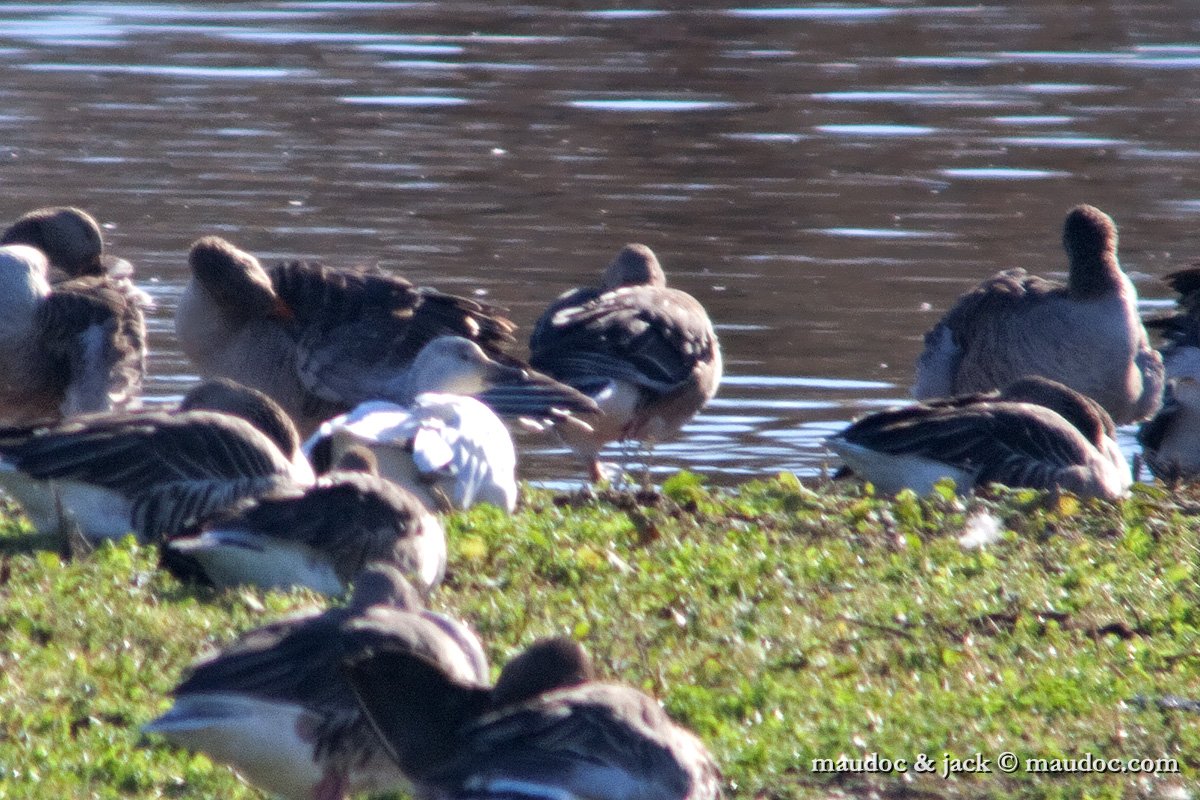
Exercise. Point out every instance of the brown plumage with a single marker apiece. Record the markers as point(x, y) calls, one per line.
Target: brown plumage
point(318, 340)
point(1085, 334)
point(547, 729)
point(646, 353)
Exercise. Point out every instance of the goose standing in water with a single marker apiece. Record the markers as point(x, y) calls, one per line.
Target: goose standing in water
point(155, 473)
point(446, 447)
point(547, 729)
point(1036, 433)
point(274, 704)
point(1171, 440)
point(319, 536)
point(1086, 334)
point(647, 354)
point(318, 340)
point(64, 349)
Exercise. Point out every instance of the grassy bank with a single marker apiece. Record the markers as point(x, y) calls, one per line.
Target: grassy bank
point(782, 623)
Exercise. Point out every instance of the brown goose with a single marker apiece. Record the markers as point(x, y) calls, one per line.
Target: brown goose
point(546, 730)
point(155, 473)
point(1036, 433)
point(72, 242)
point(64, 349)
point(319, 536)
point(318, 340)
point(1086, 334)
point(1171, 440)
point(275, 707)
point(647, 354)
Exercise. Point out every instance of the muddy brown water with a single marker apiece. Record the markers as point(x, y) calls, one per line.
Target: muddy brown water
point(825, 178)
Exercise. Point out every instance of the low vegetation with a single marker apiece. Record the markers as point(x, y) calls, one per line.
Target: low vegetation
point(798, 630)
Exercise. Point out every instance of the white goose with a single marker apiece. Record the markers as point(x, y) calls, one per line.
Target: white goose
point(1086, 334)
point(1036, 433)
point(443, 445)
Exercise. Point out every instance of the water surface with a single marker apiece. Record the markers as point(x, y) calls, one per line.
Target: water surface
point(826, 178)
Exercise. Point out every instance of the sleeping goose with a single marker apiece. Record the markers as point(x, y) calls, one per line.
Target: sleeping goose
point(72, 242)
point(319, 536)
point(443, 445)
point(275, 707)
point(647, 354)
point(1036, 433)
point(64, 349)
point(154, 473)
point(1086, 334)
point(318, 340)
point(1171, 440)
point(547, 730)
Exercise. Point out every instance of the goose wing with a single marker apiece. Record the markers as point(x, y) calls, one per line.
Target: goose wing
point(1181, 328)
point(174, 467)
point(95, 338)
point(356, 518)
point(357, 329)
point(650, 336)
point(1010, 443)
point(598, 741)
point(294, 660)
point(980, 315)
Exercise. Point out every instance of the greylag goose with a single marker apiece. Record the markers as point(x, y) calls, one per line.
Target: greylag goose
point(319, 536)
point(647, 354)
point(1086, 334)
point(446, 447)
point(1171, 440)
point(547, 730)
point(1036, 433)
point(320, 340)
point(64, 349)
point(71, 240)
point(155, 473)
point(275, 707)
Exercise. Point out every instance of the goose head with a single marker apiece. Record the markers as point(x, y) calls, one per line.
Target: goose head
point(70, 238)
point(1090, 239)
point(546, 665)
point(235, 280)
point(454, 365)
point(635, 265)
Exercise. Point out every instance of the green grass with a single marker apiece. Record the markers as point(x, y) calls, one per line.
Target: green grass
point(782, 623)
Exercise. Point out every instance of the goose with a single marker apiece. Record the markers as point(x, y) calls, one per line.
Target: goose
point(73, 244)
point(1035, 433)
point(1171, 439)
point(64, 349)
point(1086, 334)
point(547, 729)
point(647, 354)
point(1180, 329)
point(152, 472)
point(443, 445)
point(275, 707)
point(320, 340)
point(319, 536)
